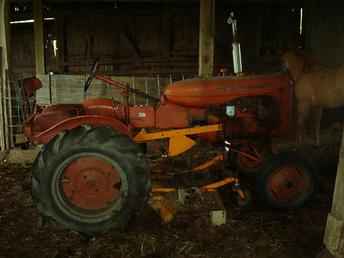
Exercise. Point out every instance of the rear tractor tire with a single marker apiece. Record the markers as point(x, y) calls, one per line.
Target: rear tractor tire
point(287, 181)
point(90, 179)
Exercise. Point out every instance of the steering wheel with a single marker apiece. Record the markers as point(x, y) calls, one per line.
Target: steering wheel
point(91, 75)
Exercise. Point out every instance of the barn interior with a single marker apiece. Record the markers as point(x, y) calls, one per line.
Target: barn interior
point(149, 45)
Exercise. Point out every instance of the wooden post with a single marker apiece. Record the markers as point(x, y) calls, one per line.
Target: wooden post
point(206, 38)
point(3, 66)
point(334, 233)
point(5, 110)
point(39, 36)
point(2, 86)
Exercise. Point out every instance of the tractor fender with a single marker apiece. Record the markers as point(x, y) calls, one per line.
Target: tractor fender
point(70, 123)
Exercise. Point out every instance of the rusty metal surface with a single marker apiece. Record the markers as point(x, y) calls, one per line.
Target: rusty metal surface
point(220, 90)
point(91, 183)
point(172, 116)
point(43, 137)
point(287, 183)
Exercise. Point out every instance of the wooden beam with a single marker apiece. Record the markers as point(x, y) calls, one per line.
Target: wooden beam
point(39, 36)
point(206, 38)
point(7, 29)
point(133, 44)
point(334, 233)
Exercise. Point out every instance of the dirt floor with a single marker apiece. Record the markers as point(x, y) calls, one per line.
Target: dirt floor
point(255, 232)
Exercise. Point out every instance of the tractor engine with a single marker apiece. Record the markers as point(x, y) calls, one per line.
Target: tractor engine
point(250, 116)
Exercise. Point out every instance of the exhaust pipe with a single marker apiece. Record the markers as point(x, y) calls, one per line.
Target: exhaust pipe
point(236, 49)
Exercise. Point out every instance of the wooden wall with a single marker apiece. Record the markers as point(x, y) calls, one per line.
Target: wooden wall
point(325, 31)
point(146, 39)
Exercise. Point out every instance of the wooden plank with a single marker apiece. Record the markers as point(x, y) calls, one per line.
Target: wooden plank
point(167, 17)
point(133, 44)
point(5, 110)
point(8, 97)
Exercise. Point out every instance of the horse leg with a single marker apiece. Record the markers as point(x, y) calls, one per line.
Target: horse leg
point(303, 109)
point(317, 123)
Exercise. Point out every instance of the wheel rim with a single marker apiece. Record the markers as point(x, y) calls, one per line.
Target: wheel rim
point(89, 187)
point(250, 163)
point(288, 184)
point(91, 183)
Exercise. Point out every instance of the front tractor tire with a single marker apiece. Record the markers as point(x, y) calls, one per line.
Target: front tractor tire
point(287, 181)
point(90, 179)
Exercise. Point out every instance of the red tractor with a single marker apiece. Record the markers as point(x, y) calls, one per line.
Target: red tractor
point(92, 173)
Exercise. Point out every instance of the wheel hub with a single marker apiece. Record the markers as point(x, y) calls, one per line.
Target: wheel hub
point(287, 183)
point(91, 183)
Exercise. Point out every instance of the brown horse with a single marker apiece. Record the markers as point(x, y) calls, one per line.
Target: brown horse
point(316, 88)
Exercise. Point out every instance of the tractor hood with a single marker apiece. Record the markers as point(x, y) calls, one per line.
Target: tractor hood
point(200, 93)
